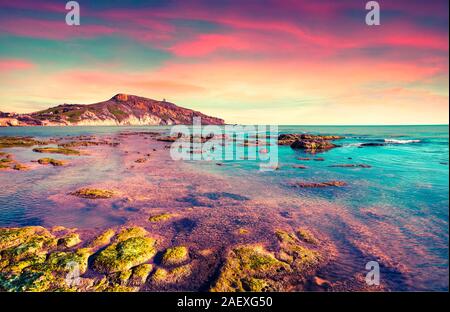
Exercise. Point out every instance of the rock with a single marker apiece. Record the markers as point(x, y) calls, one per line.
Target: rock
point(51, 161)
point(125, 254)
point(57, 150)
point(300, 258)
point(303, 158)
point(351, 166)
point(320, 184)
point(93, 193)
point(17, 141)
point(371, 144)
point(308, 142)
point(299, 167)
point(140, 274)
point(126, 233)
point(160, 217)
point(102, 239)
point(20, 167)
point(70, 240)
point(319, 159)
point(313, 145)
point(306, 236)
point(175, 256)
point(322, 282)
point(244, 263)
point(163, 276)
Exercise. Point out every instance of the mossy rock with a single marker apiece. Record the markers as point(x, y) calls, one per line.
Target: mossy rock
point(5, 160)
point(176, 275)
point(160, 217)
point(125, 254)
point(255, 284)
point(14, 237)
point(93, 193)
point(56, 150)
point(17, 267)
point(28, 281)
point(140, 274)
point(20, 167)
point(245, 263)
point(125, 233)
point(51, 161)
point(35, 245)
point(300, 257)
point(70, 240)
point(175, 256)
point(121, 278)
point(102, 239)
point(306, 236)
point(67, 261)
point(11, 141)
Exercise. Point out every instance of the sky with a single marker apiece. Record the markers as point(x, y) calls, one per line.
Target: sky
point(294, 62)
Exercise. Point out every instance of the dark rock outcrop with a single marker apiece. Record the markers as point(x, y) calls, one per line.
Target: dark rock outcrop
point(308, 142)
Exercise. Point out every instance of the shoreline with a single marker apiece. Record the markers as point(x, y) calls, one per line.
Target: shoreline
point(205, 218)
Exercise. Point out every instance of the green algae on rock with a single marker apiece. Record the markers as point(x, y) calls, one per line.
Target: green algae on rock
point(160, 217)
point(11, 141)
point(56, 150)
point(102, 239)
point(51, 161)
point(93, 193)
point(175, 255)
point(126, 233)
point(20, 167)
point(140, 274)
point(306, 236)
point(299, 257)
point(70, 240)
point(125, 254)
point(248, 262)
point(163, 276)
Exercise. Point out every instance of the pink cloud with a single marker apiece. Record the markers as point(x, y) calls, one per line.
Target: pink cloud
point(7, 65)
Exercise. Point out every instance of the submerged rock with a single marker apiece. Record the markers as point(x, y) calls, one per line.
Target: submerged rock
point(20, 167)
point(320, 184)
point(51, 161)
point(57, 150)
point(93, 193)
point(102, 239)
point(299, 167)
point(351, 166)
point(160, 217)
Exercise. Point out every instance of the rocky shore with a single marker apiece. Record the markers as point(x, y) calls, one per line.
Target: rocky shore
point(202, 235)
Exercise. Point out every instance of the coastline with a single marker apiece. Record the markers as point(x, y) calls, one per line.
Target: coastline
point(210, 223)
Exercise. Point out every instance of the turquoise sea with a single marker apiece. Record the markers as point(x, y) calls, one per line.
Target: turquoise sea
point(403, 196)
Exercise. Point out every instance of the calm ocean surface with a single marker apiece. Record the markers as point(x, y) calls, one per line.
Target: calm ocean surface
point(408, 181)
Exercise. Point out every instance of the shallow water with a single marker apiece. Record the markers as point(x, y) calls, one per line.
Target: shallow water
point(395, 212)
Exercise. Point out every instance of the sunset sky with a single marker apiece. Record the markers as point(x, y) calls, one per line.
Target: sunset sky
point(247, 61)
